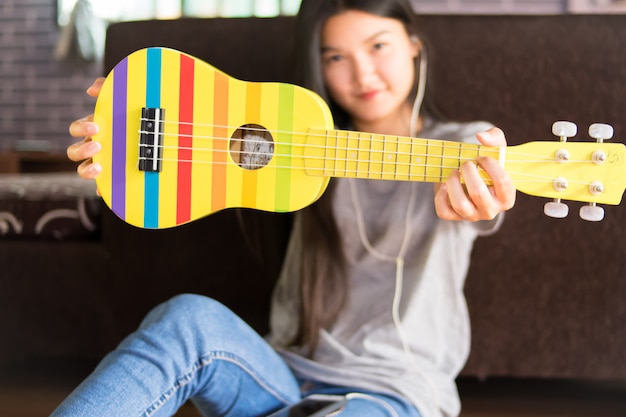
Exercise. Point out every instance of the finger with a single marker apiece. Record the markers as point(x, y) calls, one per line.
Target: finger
point(459, 200)
point(502, 189)
point(85, 149)
point(84, 127)
point(96, 87)
point(481, 196)
point(492, 137)
point(443, 207)
point(88, 169)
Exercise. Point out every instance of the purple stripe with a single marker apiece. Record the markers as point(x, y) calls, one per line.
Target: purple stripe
point(118, 170)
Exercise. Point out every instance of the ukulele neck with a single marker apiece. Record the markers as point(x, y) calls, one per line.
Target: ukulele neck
point(343, 153)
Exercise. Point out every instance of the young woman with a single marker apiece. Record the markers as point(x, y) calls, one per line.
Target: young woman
point(370, 301)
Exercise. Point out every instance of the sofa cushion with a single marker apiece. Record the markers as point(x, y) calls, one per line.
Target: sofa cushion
point(48, 206)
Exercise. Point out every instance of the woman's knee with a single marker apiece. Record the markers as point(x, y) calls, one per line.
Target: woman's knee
point(193, 302)
point(189, 311)
point(195, 305)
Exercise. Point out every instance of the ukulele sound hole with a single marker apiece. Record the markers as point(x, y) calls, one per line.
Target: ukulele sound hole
point(252, 146)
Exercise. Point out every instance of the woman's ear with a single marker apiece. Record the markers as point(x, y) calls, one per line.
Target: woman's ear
point(417, 45)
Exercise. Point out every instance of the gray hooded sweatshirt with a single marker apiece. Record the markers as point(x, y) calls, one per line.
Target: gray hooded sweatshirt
point(405, 328)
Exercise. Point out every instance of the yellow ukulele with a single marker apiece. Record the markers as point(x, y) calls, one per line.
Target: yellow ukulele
point(181, 140)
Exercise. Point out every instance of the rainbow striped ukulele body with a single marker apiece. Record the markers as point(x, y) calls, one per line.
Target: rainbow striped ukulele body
point(181, 140)
point(200, 108)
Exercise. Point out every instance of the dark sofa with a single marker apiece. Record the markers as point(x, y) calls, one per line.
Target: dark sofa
point(546, 296)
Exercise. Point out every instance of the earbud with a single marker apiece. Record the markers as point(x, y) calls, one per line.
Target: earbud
point(417, 43)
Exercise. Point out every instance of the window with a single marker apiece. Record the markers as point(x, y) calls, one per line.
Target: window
point(116, 10)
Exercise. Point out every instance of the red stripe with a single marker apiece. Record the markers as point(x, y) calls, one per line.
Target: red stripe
point(185, 140)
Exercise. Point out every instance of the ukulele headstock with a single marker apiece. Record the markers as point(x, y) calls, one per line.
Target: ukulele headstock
point(590, 172)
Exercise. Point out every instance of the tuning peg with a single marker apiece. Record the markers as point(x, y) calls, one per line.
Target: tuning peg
point(556, 209)
point(591, 213)
point(601, 131)
point(564, 130)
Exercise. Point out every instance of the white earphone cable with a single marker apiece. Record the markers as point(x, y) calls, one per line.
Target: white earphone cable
point(399, 259)
point(421, 91)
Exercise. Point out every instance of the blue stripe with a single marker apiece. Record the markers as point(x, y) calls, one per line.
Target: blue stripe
point(153, 99)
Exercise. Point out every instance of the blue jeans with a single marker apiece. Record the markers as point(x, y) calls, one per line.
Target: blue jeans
point(194, 348)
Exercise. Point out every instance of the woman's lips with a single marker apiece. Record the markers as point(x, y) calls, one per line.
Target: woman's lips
point(368, 95)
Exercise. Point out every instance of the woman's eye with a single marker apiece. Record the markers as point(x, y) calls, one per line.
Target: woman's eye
point(378, 45)
point(333, 58)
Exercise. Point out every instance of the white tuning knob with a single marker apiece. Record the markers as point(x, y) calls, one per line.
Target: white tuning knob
point(556, 209)
point(564, 130)
point(592, 213)
point(600, 131)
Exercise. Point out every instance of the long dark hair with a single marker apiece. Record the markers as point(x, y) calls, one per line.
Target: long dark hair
point(323, 288)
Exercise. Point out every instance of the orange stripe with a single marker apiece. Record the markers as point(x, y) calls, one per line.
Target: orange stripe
point(253, 113)
point(220, 117)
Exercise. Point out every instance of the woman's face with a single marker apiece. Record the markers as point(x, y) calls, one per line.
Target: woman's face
point(369, 69)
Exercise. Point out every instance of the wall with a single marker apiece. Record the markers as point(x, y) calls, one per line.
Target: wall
point(491, 6)
point(39, 96)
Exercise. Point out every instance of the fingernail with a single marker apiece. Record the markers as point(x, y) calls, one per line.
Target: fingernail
point(94, 147)
point(95, 169)
point(91, 128)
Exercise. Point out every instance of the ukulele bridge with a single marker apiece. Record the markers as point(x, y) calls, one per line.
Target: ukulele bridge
point(151, 139)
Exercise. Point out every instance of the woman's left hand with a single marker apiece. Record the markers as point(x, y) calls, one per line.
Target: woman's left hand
point(466, 196)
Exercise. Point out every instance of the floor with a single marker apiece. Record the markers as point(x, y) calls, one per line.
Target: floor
point(35, 394)
point(542, 398)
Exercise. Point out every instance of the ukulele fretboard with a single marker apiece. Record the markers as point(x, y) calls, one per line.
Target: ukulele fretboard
point(342, 153)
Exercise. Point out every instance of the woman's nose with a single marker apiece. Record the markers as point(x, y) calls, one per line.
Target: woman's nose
point(364, 71)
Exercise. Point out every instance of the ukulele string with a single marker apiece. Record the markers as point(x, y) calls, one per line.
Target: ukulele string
point(532, 158)
point(372, 137)
point(439, 145)
point(398, 162)
point(521, 177)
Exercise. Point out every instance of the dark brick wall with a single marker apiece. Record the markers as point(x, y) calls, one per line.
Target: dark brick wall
point(39, 96)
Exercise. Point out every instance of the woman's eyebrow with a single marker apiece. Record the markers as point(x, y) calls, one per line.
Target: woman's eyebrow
point(325, 48)
point(377, 34)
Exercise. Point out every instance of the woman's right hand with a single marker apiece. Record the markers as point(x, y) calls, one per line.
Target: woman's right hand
point(86, 148)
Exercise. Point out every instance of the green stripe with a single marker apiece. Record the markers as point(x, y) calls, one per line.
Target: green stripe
point(283, 150)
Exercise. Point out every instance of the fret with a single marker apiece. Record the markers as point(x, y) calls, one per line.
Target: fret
point(330, 157)
point(352, 154)
point(363, 155)
point(390, 158)
point(419, 150)
point(377, 156)
point(342, 153)
point(443, 163)
point(414, 159)
point(467, 152)
point(433, 160)
point(403, 170)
